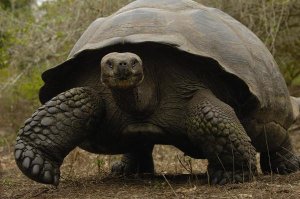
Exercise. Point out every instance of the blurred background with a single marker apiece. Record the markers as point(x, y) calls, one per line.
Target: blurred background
point(38, 34)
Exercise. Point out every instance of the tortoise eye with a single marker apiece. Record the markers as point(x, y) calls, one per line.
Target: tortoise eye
point(133, 63)
point(109, 64)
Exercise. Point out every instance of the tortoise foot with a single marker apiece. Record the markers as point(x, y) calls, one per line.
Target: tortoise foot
point(222, 177)
point(282, 161)
point(281, 164)
point(35, 165)
point(133, 164)
point(123, 168)
point(287, 166)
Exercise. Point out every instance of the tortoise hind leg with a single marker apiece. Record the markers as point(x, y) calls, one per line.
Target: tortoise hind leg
point(281, 161)
point(53, 131)
point(213, 127)
point(278, 155)
point(272, 141)
point(138, 161)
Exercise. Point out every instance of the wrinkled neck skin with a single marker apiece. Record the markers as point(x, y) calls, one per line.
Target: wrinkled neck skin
point(139, 101)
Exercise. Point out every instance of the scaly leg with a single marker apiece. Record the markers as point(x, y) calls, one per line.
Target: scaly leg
point(54, 130)
point(214, 128)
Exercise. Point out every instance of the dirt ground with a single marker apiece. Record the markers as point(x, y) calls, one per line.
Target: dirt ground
point(86, 175)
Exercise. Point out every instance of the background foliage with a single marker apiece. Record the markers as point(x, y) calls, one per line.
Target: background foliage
point(34, 38)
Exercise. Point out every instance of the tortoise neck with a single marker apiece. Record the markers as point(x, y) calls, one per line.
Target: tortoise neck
point(139, 101)
point(127, 99)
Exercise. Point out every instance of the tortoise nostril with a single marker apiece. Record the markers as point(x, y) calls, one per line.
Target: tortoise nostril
point(123, 63)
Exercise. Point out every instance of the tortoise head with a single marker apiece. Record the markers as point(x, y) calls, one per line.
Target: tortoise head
point(121, 70)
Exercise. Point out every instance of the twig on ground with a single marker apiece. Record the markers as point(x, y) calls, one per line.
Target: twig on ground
point(170, 186)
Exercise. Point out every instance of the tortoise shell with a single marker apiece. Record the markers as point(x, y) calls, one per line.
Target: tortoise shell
point(188, 27)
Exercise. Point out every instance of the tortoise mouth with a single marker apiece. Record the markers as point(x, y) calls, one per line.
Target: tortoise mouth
point(122, 82)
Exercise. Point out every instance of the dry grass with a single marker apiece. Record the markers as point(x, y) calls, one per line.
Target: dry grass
point(86, 175)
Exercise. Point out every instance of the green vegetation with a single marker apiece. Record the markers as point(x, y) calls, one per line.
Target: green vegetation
point(100, 164)
point(34, 38)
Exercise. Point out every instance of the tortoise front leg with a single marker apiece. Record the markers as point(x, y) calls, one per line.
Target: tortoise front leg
point(54, 130)
point(214, 128)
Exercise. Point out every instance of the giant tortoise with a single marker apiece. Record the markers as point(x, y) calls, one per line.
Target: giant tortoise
point(170, 72)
